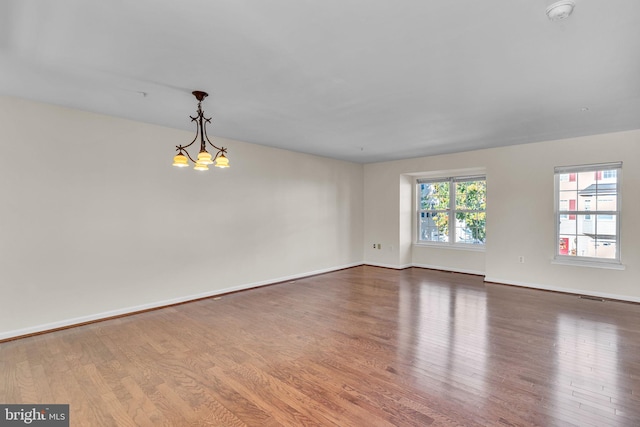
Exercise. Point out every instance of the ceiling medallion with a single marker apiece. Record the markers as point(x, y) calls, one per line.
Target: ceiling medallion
point(560, 10)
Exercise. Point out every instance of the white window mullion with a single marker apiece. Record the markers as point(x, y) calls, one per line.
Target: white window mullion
point(452, 210)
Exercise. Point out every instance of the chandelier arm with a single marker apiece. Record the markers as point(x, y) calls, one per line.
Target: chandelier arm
point(190, 158)
point(220, 149)
point(182, 147)
point(201, 128)
point(204, 129)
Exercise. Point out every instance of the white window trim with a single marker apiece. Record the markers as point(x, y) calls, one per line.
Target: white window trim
point(452, 178)
point(588, 263)
point(582, 261)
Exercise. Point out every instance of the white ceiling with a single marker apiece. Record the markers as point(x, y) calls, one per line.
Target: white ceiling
point(360, 80)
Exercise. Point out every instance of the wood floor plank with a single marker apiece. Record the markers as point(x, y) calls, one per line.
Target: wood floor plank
point(138, 405)
point(364, 346)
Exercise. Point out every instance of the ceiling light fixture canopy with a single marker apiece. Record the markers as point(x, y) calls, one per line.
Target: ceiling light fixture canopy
point(560, 10)
point(204, 158)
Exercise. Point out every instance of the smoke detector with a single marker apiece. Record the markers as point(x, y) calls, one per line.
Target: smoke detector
point(560, 10)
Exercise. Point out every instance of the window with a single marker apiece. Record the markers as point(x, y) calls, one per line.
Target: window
point(587, 200)
point(452, 210)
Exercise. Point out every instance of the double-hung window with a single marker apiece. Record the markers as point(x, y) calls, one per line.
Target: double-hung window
point(587, 210)
point(452, 210)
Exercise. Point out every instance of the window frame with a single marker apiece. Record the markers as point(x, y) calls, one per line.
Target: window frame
point(450, 211)
point(576, 213)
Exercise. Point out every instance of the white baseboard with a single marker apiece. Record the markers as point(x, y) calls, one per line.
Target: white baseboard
point(564, 290)
point(430, 267)
point(392, 266)
point(138, 308)
point(452, 269)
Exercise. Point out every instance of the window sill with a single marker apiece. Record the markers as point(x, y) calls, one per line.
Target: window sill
point(456, 247)
point(591, 264)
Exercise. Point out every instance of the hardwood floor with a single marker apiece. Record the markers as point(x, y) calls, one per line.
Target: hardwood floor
point(364, 346)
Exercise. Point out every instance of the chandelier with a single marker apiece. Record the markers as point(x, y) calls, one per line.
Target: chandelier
point(204, 158)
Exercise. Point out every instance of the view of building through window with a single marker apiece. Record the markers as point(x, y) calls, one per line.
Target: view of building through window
point(452, 210)
point(588, 212)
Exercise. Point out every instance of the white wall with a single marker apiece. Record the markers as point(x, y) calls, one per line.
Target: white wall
point(94, 221)
point(520, 218)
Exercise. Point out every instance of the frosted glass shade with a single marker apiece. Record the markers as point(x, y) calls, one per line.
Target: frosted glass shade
point(180, 161)
point(204, 158)
point(222, 161)
point(201, 167)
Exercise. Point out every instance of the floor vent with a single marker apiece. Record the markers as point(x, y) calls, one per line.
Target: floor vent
point(591, 298)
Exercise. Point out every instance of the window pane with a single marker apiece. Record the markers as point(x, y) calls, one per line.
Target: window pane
point(566, 183)
point(584, 246)
point(567, 224)
point(567, 199)
point(470, 227)
point(434, 195)
point(604, 237)
point(586, 224)
point(585, 179)
point(607, 203)
point(605, 249)
point(471, 195)
point(434, 226)
point(607, 227)
point(586, 203)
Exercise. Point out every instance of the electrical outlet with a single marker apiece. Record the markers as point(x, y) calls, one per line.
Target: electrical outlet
point(521, 259)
